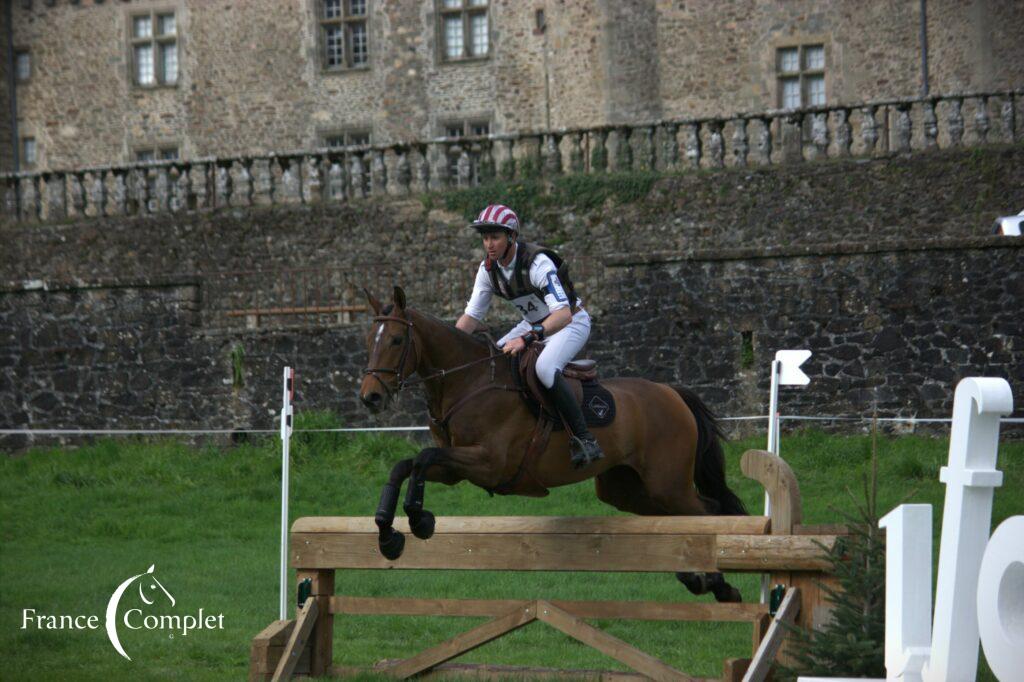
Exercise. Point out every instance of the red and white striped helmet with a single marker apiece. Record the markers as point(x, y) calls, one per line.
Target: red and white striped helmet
point(494, 217)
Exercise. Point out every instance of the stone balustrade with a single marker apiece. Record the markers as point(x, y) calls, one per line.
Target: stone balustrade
point(343, 174)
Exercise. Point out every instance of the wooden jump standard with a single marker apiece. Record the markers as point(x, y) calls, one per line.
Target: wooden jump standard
point(778, 545)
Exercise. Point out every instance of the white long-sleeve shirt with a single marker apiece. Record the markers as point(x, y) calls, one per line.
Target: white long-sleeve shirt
point(543, 275)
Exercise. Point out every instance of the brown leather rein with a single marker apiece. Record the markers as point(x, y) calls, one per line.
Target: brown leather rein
point(538, 439)
point(405, 380)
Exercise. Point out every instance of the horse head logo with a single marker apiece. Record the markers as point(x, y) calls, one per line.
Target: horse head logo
point(148, 583)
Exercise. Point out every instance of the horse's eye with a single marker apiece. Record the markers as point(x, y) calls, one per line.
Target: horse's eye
point(396, 341)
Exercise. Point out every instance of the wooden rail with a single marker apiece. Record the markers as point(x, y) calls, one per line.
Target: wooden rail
point(780, 546)
point(252, 315)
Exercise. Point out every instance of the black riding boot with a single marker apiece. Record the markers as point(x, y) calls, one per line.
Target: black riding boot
point(583, 446)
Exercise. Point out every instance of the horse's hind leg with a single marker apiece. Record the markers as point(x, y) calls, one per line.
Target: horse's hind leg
point(669, 485)
point(622, 488)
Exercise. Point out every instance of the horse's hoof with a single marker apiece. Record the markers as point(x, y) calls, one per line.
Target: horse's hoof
point(728, 593)
point(696, 583)
point(423, 528)
point(392, 547)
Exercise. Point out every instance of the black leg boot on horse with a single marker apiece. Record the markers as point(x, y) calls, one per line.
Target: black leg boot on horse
point(583, 446)
point(390, 541)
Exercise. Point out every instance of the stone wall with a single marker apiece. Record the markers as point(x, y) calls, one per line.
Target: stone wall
point(885, 270)
point(889, 327)
point(941, 195)
point(6, 127)
point(251, 82)
point(134, 355)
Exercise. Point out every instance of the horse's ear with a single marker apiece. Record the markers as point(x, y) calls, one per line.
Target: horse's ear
point(374, 303)
point(399, 298)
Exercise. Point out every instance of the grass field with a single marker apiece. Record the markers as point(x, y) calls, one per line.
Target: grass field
point(77, 522)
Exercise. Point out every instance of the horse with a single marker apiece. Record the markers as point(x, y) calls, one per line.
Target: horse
point(663, 453)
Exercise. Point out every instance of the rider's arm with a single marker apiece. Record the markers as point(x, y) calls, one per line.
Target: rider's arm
point(557, 320)
point(522, 328)
point(479, 302)
point(468, 323)
point(544, 276)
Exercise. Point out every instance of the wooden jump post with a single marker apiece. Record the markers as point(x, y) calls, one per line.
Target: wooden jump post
point(778, 545)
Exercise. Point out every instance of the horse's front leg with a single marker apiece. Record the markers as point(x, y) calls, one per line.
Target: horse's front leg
point(444, 465)
point(390, 541)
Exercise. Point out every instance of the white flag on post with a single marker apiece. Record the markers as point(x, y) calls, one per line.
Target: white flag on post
point(790, 373)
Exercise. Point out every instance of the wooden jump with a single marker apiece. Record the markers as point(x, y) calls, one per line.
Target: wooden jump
point(778, 545)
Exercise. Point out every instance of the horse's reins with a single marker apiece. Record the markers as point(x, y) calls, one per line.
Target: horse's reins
point(442, 422)
point(404, 381)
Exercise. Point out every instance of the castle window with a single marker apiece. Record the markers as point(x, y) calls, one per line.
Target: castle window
point(468, 128)
point(800, 71)
point(344, 37)
point(22, 65)
point(155, 153)
point(29, 152)
point(460, 129)
point(347, 138)
point(154, 48)
point(464, 29)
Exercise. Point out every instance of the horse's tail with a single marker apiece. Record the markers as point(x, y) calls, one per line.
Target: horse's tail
point(709, 469)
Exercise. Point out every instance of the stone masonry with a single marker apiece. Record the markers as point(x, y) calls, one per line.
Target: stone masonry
point(251, 80)
point(885, 269)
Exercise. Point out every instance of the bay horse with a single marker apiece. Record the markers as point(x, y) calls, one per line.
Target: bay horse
point(663, 454)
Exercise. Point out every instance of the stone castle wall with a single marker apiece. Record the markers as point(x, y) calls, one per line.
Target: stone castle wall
point(250, 80)
point(6, 129)
point(885, 270)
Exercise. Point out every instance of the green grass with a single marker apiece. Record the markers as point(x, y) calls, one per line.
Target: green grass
point(532, 195)
point(76, 522)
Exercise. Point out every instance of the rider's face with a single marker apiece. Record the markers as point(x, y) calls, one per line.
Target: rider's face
point(495, 243)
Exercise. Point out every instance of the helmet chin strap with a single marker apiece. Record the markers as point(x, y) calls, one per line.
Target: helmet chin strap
point(507, 247)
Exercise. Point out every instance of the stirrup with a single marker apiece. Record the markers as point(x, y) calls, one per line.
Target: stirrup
point(583, 452)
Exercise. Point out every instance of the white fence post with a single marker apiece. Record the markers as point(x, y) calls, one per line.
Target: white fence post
point(286, 434)
point(785, 372)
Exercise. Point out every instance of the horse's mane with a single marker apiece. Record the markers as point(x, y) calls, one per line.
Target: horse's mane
point(479, 340)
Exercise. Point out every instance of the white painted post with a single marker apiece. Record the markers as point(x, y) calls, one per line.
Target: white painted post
point(286, 434)
point(785, 372)
point(970, 479)
point(773, 417)
point(908, 590)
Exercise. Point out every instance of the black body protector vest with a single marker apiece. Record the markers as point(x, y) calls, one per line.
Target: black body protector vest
point(520, 290)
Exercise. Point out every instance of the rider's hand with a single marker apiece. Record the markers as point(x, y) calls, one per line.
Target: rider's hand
point(514, 346)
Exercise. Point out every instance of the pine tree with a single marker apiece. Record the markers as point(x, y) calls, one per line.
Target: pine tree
point(852, 642)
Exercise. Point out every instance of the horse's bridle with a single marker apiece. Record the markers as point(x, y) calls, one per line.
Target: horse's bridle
point(398, 370)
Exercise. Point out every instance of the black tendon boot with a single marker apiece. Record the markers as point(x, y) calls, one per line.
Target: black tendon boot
point(582, 445)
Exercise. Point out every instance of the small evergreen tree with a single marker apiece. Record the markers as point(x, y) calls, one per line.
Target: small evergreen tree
point(852, 642)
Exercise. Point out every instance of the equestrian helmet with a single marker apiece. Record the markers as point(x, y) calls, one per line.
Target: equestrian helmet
point(496, 216)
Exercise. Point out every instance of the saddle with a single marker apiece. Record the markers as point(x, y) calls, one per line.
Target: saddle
point(598, 410)
point(581, 375)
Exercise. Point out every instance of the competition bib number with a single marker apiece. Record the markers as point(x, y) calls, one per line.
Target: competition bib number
point(532, 308)
point(527, 309)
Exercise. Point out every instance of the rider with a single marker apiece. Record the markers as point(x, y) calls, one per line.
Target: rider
point(534, 279)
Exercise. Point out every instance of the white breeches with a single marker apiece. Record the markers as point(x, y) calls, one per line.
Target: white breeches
point(559, 349)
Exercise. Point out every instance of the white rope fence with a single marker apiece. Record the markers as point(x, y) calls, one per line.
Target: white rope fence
point(371, 429)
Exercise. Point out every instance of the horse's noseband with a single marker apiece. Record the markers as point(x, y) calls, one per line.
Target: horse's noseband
point(398, 370)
